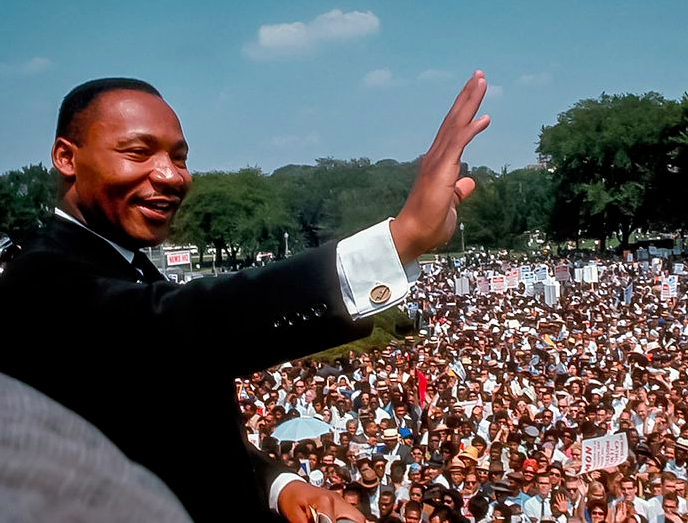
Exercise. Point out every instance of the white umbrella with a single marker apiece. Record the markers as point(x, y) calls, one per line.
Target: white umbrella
point(298, 429)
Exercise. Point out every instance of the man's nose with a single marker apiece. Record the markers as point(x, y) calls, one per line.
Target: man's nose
point(166, 173)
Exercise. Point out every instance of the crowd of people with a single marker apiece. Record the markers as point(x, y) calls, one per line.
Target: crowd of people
point(480, 414)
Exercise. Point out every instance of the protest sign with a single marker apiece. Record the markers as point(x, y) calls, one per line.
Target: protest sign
point(666, 292)
point(540, 272)
point(590, 274)
point(498, 283)
point(652, 250)
point(578, 274)
point(461, 286)
point(483, 284)
point(178, 258)
point(561, 272)
point(523, 269)
point(512, 278)
point(669, 287)
point(551, 292)
point(656, 265)
point(603, 452)
point(628, 256)
point(528, 278)
point(678, 268)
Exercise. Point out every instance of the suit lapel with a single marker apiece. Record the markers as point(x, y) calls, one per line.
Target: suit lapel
point(73, 240)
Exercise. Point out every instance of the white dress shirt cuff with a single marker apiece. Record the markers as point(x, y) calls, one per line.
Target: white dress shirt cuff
point(369, 259)
point(280, 482)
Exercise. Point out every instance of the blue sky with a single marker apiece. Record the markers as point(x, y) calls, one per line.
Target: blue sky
point(267, 83)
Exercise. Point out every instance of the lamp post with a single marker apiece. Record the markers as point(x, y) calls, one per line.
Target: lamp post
point(463, 247)
point(286, 244)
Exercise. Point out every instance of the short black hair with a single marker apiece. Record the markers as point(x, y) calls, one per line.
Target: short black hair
point(82, 96)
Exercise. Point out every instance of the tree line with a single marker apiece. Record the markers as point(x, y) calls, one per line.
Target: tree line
point(610, 166)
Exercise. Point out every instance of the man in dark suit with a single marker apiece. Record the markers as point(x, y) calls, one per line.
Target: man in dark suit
point(136, 355)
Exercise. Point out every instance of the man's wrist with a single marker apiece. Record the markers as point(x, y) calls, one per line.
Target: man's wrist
point(402, 244)
point(278, 485)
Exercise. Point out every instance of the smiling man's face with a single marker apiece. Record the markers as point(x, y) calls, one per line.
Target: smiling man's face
point(127, 175)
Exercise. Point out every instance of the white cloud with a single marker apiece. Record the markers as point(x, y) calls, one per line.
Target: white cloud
point(535, 79)
point(377, 79)
point(435, 75)
point(494, 91)
point(299, 38)
point(35, 65)
point(294, 140)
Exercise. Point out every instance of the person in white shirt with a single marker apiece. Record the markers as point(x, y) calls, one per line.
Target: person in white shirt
point(642, 507)
point(539, 507)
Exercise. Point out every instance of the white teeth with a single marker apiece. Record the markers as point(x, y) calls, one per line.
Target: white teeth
point(159, 205)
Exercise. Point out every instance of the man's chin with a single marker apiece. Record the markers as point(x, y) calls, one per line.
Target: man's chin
point(140, 238)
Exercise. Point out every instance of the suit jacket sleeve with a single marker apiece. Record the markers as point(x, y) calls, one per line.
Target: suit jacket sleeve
point(153, 366)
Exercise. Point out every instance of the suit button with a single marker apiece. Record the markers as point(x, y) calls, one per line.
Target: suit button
point(292, 319)
point(319, 310)
point(306, 316)
point(278, 324)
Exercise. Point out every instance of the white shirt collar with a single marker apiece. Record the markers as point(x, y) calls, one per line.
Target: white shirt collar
point(128, 255)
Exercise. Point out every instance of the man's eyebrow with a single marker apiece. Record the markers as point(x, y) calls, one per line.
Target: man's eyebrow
point(149, 139)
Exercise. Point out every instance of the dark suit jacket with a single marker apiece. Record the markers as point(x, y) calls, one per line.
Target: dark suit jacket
point(152, 366)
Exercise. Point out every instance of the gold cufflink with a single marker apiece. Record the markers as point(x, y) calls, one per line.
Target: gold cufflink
point(381, 293)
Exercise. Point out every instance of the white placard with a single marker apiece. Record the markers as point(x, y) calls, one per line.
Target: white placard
point(678, 268)
point(512, 278)
point(551, 292)
point(462, 286)
point(590, 274)
point(498, 283)
point(528, 278)
point(178, 258)
point(540, 273)
point(656, 265)
point(578, 275)
point(604, 452)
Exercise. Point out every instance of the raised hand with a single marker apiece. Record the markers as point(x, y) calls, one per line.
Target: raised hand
point(561, 503)
point(298, 499)
point(428, 218)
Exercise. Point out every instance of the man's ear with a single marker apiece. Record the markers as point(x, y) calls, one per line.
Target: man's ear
point(64, 157)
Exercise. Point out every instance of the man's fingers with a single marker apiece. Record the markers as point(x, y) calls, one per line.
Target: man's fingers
point(450, 119)
point(453, 148)
point(467, 92)
point(468, 109)
point(463, 188)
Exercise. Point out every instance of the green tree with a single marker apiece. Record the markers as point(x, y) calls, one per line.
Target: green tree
point(607, 155)
point(238, 213)
point(27, 199)
point(505, 206)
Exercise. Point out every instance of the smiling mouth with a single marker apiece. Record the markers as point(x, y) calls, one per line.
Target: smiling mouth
point(158, 210)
